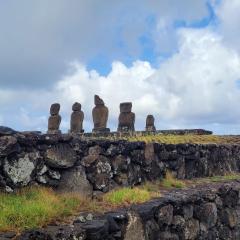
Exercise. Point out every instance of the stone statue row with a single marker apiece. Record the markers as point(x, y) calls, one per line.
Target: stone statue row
point(126, 118)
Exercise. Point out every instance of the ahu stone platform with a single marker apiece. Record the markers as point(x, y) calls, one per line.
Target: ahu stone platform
point(69, 163)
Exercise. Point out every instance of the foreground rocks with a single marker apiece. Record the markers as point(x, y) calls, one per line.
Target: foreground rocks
point(203, 213)
point(31, 158)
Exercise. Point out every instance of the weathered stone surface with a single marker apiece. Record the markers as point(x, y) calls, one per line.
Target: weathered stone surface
point(75, 180)
point(20, 171)
point(8, 145)
point(126, 119)
point(229, 217)
point(191, 229)
point(95, 229)
point(165, 215)
point(60, 156)
point(207, 214)
point(55, 119)
point(100, 115)
point(150, 127)
point(168, 236)
point(134, 229)
point(54, 233)
point(76, 125)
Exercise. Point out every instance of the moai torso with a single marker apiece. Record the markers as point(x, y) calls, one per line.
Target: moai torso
point(100, 115)
point(126, 118)
point(77, 119)
point(150, 127)
point(55, 119)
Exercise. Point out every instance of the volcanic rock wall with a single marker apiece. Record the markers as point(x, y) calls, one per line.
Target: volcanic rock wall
point(68, 163)
point(204, 213)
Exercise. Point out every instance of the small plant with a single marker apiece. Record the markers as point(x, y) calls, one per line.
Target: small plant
point(171, 182)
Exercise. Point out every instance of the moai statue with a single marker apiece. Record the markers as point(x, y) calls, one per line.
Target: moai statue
point(126, 118)
point(54, 120)
point(100, 116)
point(77, 119)
point(150, 127)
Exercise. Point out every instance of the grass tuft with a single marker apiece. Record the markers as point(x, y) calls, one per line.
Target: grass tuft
point(171, 182)
point(125, 196)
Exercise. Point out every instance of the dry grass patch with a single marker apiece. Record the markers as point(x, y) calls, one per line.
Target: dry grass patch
point(188, 138)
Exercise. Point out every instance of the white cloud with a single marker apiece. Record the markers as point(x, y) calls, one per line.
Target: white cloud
point(229, 18)
point(196, 87)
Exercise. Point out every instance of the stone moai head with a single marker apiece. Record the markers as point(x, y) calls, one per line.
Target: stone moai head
point(100, 116)
point(126, 118)
point(125, 107)
point(54, 120)
point(76, 107)
point(76, 125)
point(150, 127)
point(54, 109)
point(98, 101)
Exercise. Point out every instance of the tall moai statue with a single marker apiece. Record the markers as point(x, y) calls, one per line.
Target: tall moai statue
point(54, 120)
point(126, 118)
point(76, 125)
point(150, 127)
point(100, 116)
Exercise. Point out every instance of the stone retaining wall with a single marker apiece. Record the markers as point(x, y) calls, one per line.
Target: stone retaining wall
point(69, 164)
point(204, 213)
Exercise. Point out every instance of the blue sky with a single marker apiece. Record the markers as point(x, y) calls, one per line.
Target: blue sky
point(177, 60)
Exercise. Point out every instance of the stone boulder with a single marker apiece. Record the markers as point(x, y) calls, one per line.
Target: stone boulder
point(20, 171)
point(134, 229)
point(60, 156)
point(8, 145)
point(75, 180)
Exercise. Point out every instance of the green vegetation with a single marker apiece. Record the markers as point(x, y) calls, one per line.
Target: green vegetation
point(126, 196)
point(34, 207)
point(227, 177)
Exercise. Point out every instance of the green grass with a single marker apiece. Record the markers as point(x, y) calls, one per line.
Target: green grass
point(227, 177)
point(34, 207)
point(125, 196)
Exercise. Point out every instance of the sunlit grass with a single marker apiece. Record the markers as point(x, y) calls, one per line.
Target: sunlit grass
point(34, 207)
point(124, 196)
